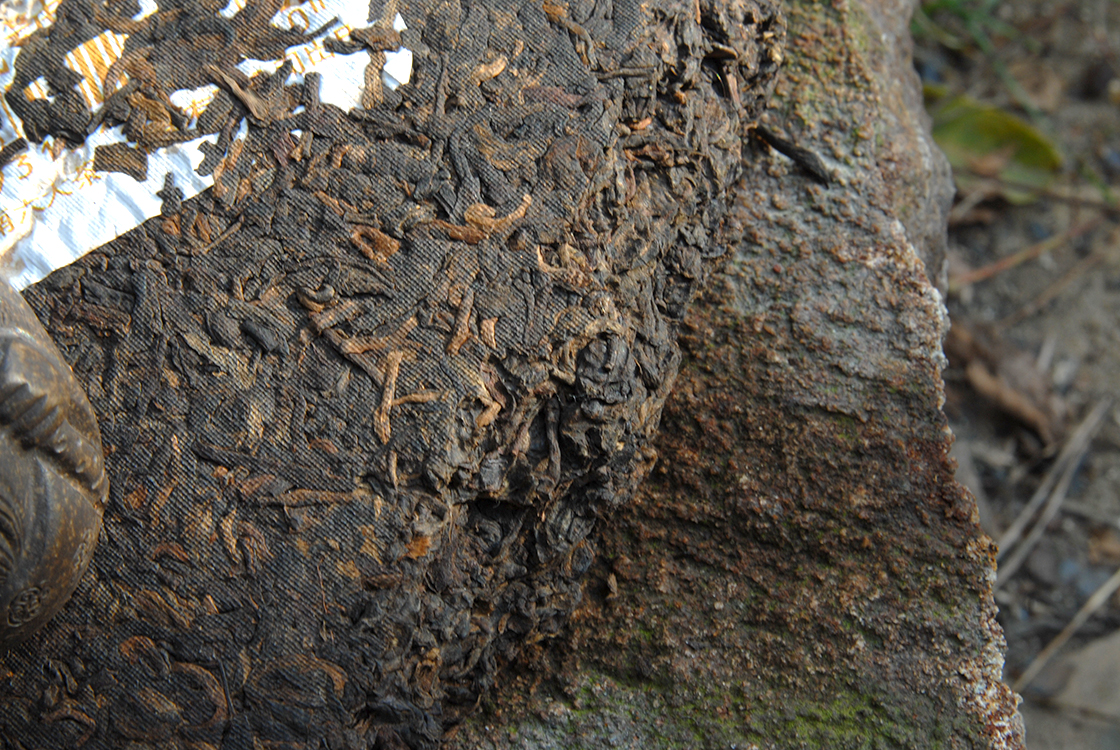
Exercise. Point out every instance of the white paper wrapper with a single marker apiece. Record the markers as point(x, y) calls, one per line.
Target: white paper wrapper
point(54, 208)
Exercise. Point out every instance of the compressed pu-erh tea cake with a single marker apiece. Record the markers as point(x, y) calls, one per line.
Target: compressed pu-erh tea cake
point(365, 401)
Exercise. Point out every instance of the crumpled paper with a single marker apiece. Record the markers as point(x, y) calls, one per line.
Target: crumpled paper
point(55, 208)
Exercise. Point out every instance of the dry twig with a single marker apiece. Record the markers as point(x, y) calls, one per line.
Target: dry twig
point(1111, 245)
point(1095, 602)
point(1050, 292)
point(1092, 514)
point(1059, 478)
point(1039, 248)
point(1054, 193)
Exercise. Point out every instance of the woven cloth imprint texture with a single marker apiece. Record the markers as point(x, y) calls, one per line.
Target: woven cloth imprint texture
point(366, 400)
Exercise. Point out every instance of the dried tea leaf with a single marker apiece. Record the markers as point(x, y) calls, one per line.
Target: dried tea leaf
point(381, 384)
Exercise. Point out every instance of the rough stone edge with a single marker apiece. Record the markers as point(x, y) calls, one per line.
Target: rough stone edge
point(926, 224)
point(927, 234)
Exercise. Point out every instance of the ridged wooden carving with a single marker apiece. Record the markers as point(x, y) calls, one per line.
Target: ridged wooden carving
point(52, 474)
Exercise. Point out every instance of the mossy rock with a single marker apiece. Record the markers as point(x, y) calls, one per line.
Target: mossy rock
point(801, 570)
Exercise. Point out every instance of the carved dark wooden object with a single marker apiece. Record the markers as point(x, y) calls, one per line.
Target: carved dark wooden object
point(52, 474)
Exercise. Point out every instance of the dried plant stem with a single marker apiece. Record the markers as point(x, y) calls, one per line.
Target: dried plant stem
point(1099, 598)
point(1054, 486)
point(221, 238)
point(1103, 251)
point(1050, 193)
point(977, 194)
point(1085, 511)
point(1050, 292)
point(1039, 248)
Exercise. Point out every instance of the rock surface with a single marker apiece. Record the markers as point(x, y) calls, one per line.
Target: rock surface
point(802, 570)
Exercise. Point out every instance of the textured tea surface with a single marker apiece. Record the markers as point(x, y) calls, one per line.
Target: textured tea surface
point(365, 400)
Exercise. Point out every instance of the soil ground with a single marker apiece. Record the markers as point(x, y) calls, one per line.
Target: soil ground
point(1050, 326)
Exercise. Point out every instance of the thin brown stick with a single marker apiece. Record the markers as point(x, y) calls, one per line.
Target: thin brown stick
point(1050, 292)
point(381, 422)
point(462, 331)
point(996, 389)
point(1050, 193)
point(1099, 598)
point(221, 238)
point(980, 192)
point(1057, 497)
point(363, 344)
point(1075, 444)
point(420, 397)
point(1039, 248)
point(1073, 452)
point(1088, 512)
